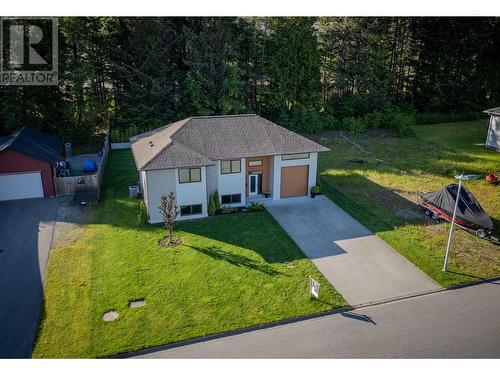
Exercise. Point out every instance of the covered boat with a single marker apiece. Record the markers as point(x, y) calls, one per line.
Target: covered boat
point(470, 214)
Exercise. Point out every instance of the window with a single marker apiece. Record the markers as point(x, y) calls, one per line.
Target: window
point(189, 175)
point(194, 209)
point(230, 198)
point(255, 163)
point(294, 156)
point(230, 166)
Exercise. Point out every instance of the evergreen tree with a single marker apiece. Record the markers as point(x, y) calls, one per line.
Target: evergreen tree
point(294, 72)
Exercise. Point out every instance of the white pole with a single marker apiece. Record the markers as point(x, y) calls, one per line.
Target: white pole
point(450, 236)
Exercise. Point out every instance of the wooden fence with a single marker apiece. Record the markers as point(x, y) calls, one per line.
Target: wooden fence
point(92, 182)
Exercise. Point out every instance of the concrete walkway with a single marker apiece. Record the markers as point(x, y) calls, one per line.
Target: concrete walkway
point(361, 266)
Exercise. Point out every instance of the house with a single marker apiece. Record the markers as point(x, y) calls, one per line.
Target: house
point(28, 161)
point(240, 156)
point(493, 136)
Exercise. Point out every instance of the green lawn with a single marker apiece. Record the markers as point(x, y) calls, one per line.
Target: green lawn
point(232, 271)
point(378, 193)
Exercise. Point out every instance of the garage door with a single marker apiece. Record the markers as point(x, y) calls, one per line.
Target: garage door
point(20, 186)
point(294, 181)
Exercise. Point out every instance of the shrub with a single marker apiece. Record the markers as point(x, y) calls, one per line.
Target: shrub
point(315, 189)
point(254, 206)
point(143, 215)
point(330, 122)
point(354, 125)
point(318, 182)
point(217, 200)
point(211, 205)
point(438, 117)
point(402, 123)
point(372, 120)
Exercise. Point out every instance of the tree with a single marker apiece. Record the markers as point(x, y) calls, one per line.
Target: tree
point(293, 69)
point(211, 205)
point(169, 211)
point(217, 200)
point(214, 82)
point(146, 66)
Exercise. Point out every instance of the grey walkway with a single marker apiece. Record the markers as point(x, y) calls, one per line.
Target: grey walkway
point(462, 323)
point(26, 228)
point(361, 266)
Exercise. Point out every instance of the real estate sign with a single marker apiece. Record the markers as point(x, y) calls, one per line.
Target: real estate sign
point(314, 287)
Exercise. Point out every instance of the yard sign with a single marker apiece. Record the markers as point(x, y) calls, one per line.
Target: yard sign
point(314, 287)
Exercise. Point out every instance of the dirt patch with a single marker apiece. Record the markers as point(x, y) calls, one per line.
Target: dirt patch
point(357, 161)
point(175, 241)
point(69, 223)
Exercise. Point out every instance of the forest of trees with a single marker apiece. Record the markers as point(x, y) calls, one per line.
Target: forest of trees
point(307, 74)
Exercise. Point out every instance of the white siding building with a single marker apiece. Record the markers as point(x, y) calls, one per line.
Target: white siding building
point(241, 157)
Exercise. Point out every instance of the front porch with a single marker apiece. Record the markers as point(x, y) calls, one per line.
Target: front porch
point(258, 199)
point(258, 177)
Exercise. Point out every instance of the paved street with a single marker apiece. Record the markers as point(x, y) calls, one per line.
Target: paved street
point(449, 324)
point(26, 228)
point(360, 265)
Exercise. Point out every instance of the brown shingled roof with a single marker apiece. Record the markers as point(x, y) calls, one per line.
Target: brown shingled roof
point(201, 140)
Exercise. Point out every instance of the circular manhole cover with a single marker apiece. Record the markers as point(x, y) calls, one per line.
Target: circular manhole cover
point(110, 315)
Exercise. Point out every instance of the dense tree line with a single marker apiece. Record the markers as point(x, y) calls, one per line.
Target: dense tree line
point(307, 74)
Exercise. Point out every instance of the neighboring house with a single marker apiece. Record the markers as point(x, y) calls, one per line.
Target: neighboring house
point(28, 160)
point(493, 136)
point(240, 156)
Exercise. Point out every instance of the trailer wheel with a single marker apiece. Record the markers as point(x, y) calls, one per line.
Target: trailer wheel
point(481, 233)
point(427, 212)
point(435, 216)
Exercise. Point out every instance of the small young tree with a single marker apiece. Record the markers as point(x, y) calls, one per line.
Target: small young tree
point(217, 200)
point(169, 210)
point(211, 205)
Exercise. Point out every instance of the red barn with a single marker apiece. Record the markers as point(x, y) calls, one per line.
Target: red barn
point(28, 160)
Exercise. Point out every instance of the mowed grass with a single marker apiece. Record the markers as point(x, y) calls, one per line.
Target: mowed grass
point(383, 194)
point(232, 271)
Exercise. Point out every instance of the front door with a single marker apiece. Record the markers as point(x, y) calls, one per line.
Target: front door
point(252, 184)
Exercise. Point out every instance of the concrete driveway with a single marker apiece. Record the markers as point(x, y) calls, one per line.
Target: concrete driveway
point(26, 228)
point(361, 266)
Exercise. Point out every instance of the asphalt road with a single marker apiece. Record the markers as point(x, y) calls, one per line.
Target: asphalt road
point(461, 323)
point(26, 228)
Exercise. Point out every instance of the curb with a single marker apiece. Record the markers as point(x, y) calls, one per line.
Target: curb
point(283, 322)
point(472, 283)
point(235, 332)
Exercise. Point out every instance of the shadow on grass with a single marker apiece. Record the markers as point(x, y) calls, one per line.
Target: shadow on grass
point(465, 274)
point(235, 259)
point(375, 206)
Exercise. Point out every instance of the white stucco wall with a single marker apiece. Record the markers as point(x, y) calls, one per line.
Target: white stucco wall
point(232, 183)
point(192, 193)
point(277, 164)
point(159, 183)
point(212, 180)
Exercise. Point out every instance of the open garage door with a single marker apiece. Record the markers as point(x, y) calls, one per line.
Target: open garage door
point(21, 186)
point(294, 181)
